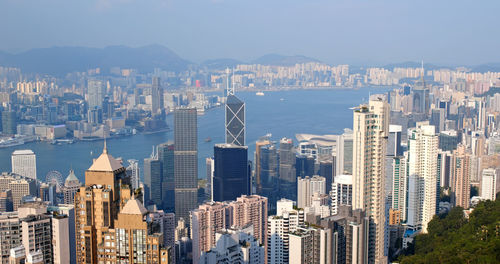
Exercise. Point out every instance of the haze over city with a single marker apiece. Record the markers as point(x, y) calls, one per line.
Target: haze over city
point(337, 32)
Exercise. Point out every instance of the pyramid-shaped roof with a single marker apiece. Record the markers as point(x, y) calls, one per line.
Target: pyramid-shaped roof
point(71, 177)
point(134, 207)
point(105, 162)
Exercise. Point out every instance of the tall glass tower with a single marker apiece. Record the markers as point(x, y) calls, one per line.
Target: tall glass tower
point(235, 121)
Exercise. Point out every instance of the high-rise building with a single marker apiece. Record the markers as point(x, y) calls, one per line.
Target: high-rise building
point(307, 187)
point(98, 203)
point(209, 191)
point(326, 170)
point(310, 245)
point(258, 164)
point(70, 188)
point(394, 141)
point(166, 157)
point(10, 234)
point(37, 235)
point(399, 185)
point(185, 161)
point(341, 192)
point(279, 228)
point(422, 163)
point(460, 184)
point(267, 175)
point(9, 123)
point(67, 210)
point(156, 96)
point(95, 92)
point(489, 184)
point(231, 172)
point(61, 239)
point(24, 163)
point(235, 120)
point(153, 181)
point(20, 187)
point(287, 174)
point(133, 171)
point(6, 202)
point(251, 209)
point(370, 131)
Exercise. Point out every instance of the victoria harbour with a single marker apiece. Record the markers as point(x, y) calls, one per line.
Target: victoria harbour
point(281, 113)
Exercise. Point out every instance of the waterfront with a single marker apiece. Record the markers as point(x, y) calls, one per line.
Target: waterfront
point(283, 114)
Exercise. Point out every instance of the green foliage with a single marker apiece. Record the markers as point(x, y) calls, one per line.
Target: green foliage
point(454, 239)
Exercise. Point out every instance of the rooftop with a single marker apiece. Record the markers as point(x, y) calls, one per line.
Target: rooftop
point(105, 162)
point(134, 207)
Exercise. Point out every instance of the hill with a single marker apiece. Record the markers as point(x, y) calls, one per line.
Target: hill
point(282, 60)
point(454, 239)
point(62, 60)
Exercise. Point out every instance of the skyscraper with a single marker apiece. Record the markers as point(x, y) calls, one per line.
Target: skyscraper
point(133, 171)
point(24, 163)
point(341, 192)
point(489, 184)
point(231, 173)
point(460, 183)
point(422, 163)
point(235, 121)
point(287, 174)
point(156, 96)
point(371, 127)
point(9, 122)
point(96, 92)
point(153, 181)
point(185, 161)
point(70, 188)
point(307, 187)
point(166, 157)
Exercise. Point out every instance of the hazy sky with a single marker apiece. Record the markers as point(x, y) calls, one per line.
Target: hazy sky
point(334, 31)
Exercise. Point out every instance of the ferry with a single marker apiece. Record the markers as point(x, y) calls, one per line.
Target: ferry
point(10, 142)
point(208, 139)
point(259, 93)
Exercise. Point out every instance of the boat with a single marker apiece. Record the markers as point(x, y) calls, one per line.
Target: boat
point(208, 139)
point(11, 142)
point(282, 99)
point(259, 93)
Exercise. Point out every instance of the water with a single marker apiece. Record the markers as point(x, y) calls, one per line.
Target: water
point(283, 114)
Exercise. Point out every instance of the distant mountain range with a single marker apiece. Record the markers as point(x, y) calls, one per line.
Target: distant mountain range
point(59, 61)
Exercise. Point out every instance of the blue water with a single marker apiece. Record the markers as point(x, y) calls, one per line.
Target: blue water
point(299, 111)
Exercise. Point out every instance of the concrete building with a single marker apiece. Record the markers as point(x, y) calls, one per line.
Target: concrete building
point(489, 184)
point(134, 172)
point(307, 187)
point(251, 209)
point(10, 235)
point(95, 93)
point(422, 164)
point(310, 245)
point(61, 239)
point(341, 192)
point(166, 157)
point(371, 127)
point(37, 235)
point(71, 187)
point(24, 163)
point(460, 183)
point(6, 204)
point(20, 187)
point(185, 161)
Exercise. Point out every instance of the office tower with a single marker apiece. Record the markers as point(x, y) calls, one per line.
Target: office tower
point(264, 141)
point(231, 179)
point(489, 184)
point(94, 116)
point(460, 184)
point(10, 233)
point(153, 181)
point(304, 166)
point(166, 226)
point(343, 153)
point(6, 204)
point(156, 96)
point(311, 244)
point(95, 93)
point(9, 123)
point(235, 246)
point(421, 100)
point(371, 127)
point(134, 172)
point(444, 168)
point(422, 163)
point(166, 157)
point(349, 235)
point(37, 235)
point(185, 161)
point(206, 220)
point(61, 239)
point(341, 192)
point(438, 116)
point(70, 188)
point(448, 140)
point(251, 209)
point(107, 186)
point(210, 163)
point(235, 120)
point(308, 186)
point(394, 141)
point(267, 176)
point(279, 228)
point(20, 187)
point(326, 170)
point(24, 163)
point(399, 185)
point(287, 174)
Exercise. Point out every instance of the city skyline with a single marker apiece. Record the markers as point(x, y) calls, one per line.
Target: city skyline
point(395, 31)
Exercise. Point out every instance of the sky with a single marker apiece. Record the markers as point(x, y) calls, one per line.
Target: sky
point(359, 32)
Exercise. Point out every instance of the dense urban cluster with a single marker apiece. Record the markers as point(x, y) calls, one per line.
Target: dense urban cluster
point(427, 148)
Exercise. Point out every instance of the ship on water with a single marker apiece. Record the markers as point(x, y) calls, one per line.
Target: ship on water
point(259, 93)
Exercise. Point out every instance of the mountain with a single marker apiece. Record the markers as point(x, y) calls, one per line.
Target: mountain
point(281, 60)
point(62, 60)
point(413, 64)
point(219, 64)
point(487, 67)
